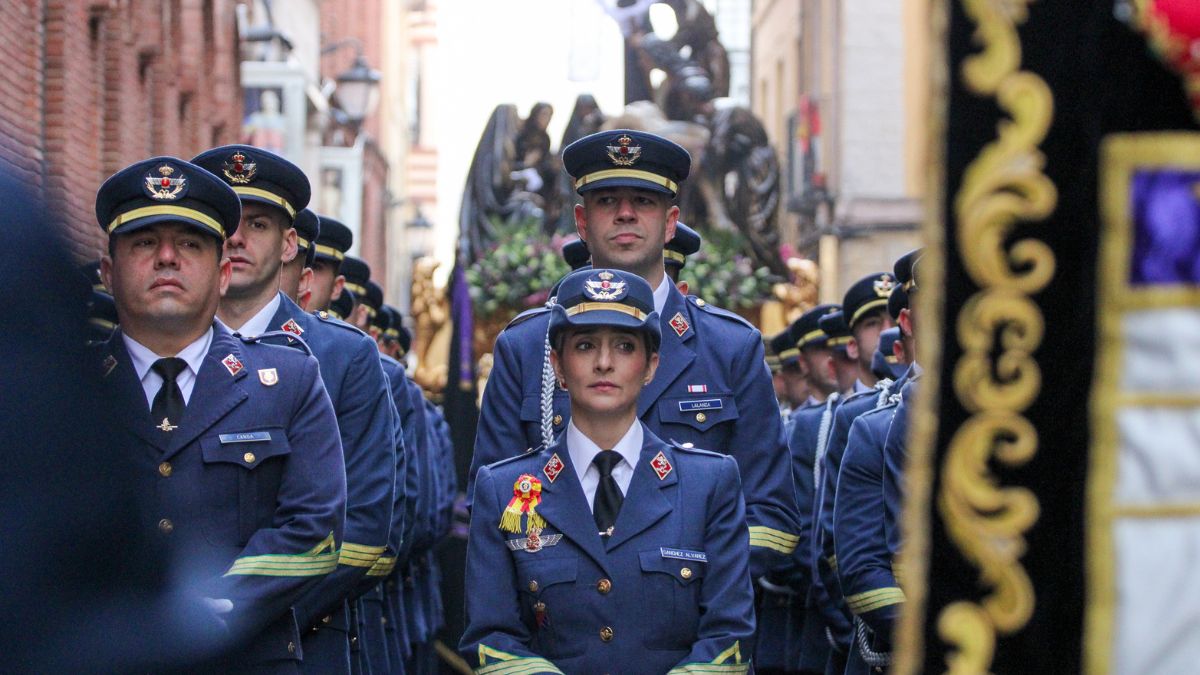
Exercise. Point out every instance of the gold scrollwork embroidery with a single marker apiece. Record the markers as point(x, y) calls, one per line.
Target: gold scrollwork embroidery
point(1002, 187)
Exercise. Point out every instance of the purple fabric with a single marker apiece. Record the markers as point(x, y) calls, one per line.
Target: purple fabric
point(464, 324)
point(1166, 227)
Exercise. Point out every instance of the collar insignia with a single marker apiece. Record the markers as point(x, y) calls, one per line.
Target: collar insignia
point(232, 364)
point(624, 153)
point(268, 376)
point(883, 286)
point(680, 324)
point(239, 169)
point(165, 184)
point(292, 327)
point(110, 362)
point(661, 465)
point(602, 287)
point(553, 467)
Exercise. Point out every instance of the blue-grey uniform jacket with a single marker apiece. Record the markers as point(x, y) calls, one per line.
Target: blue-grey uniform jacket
point(249, 490)
point(669, 589)
point(712, 389)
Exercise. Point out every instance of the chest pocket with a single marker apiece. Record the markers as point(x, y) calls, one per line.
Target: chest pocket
point(531, 415)
point(242, 469)
point(550, 603)
point(676, 583)
point(700, 412)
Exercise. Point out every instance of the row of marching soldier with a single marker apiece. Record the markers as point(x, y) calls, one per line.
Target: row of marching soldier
point(293, 473)
point(610, 530)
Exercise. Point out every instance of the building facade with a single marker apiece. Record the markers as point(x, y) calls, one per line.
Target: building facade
point(841, 90)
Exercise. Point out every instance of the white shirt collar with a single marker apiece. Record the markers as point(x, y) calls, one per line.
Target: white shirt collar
point(583, 450)
point(662, 293)
point(859, 387)
point(260, 322)
point(142, 358)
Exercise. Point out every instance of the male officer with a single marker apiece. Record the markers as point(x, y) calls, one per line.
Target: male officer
point(791, 636)
point(333, 240)
point(343, 306)
point(713, 389)
point(794, 386)
point(865, 311)
point(865, 305)
point(272, 190)
point(845, 368)
point(890, 360)
point(686, 242)
point(860, 537)
point(355, 273)
point(238, 444)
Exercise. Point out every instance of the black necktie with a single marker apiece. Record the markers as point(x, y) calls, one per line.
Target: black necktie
point(607, 502)
point(167, 409)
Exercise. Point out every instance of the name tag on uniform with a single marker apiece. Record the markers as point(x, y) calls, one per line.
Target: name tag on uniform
point(245, 437)
point(681, 554)
point(701, 404)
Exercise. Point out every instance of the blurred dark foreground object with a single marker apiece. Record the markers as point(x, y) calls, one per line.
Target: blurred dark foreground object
point(80, 590)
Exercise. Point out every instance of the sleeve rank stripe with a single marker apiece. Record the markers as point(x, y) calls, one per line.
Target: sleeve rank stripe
point(520, 666)
point(832, 560)
point(710, 668)
point(860, 603)
point(313, 568)
point(779, 535)
point(382, 567)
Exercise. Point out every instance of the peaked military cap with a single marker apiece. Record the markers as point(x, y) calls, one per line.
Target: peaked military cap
point(357, 273)
point(167, 189)
point(868, 293)
point(373, 299)
point(91, 272)
point(334, 240)
point(404, 336)
point(604, 297)
point(884, 363)
point(836, 330)
point(904, 282)
point(576, 253)
point(685, 242)
point(381, 319)
point(395, 321)
point(806, 331)
point(308, 228)
point(784, 348)
point(626, 158)
point(259, 176)
point(343, 305)
point(102, 316)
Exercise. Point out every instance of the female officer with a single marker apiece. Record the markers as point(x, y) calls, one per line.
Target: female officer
point(611, 550)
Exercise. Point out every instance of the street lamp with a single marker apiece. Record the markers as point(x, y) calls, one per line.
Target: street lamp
point(358, 90)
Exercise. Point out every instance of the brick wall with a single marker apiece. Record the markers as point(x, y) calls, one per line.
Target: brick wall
point(90, 86)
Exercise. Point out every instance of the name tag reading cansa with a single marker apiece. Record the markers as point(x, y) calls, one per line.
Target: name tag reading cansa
point(245, 437)
point(701, 404)
point(682, 554)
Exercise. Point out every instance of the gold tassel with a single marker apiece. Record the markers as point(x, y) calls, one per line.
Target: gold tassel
point(511, 520)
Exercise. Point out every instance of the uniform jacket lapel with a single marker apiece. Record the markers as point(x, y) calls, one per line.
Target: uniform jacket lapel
point(124, 380)
point(215, 393)
point(646, 503)
point(565, 507)
point(674, 356)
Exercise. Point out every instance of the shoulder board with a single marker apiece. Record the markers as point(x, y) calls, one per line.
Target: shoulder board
point(509, 460)
point(693, 450)
point(717, 311)
point(526, 315)
point(330, 319)
point(279, 338)
point(859, 394)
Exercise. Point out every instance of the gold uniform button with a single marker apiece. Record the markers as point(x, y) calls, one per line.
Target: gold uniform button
point(686, 573)
point(327, 619)
point(353, 641)
point(604, 586)
point(165, 469)
point(166, 526)
point(557, 420)
point(700, 302)
point(701, 418)
point(291, 647)
point(606, 634)
point(533, 586)
point(249, 457)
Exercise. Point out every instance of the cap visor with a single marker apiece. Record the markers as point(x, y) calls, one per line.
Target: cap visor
point(147, 221)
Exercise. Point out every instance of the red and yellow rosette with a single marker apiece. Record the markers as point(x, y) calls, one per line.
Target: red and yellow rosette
point(527, 494)
point(1172, 27)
